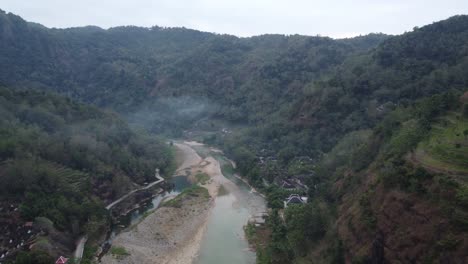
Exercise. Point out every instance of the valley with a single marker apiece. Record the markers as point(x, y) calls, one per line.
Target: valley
point(199, 224)
point(175, 146)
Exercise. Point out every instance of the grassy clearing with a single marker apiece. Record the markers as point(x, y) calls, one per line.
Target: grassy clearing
point(119, 251)
point(192, 192)
point(202, 178)
point(447, 145)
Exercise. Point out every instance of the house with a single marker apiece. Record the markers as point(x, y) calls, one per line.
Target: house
point(294, 199)
point(61, 260)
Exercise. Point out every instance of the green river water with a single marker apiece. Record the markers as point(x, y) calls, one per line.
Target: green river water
point(224, 241)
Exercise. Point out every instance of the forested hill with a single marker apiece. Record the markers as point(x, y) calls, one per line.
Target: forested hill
point(122, 67)
point(364, 88)
point(64, 161)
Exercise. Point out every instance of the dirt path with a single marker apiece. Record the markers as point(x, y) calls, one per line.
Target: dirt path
point(173, 235)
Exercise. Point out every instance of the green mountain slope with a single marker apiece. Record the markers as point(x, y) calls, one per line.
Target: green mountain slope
point(65, 161)
point(445, 149)
point(372, 201)
point(130, 67)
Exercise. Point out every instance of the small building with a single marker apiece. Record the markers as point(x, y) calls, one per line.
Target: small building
point(61, 260)
point(294, 199)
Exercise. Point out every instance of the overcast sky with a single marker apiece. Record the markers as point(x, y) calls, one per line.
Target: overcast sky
point(335, 18)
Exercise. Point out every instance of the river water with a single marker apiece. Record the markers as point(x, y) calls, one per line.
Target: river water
point(224, 240)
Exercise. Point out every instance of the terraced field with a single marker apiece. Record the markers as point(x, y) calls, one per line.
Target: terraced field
point(446, 148)
point(76, 179)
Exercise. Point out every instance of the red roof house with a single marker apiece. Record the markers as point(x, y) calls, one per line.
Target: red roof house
point(61, 260)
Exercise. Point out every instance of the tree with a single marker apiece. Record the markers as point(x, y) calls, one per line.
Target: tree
point(278, 246)
point(275, 197)
point(295, 217)
point(34, 257)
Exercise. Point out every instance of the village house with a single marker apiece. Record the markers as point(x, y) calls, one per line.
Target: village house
point(61, 260)
point(294, 199)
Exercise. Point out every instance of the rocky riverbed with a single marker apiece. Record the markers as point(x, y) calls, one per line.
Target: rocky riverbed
point(173, 233)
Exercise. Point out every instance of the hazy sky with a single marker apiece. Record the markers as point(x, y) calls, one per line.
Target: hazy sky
point(335, 18)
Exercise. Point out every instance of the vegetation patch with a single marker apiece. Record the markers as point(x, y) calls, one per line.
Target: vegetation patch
point(446, 148)
point(89, 253)
point(202, 178)
point(192, 192)
point(250, 232)
point(119, 252)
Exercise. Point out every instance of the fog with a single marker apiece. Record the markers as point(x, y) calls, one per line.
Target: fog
point(172, 115)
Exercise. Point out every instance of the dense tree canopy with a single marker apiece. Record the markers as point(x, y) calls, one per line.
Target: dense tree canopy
point(63, 159)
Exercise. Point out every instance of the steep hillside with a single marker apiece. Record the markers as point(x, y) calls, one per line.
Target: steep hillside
point(63, 161)
point(404, 210)
point(395, 195)
point(373, 202)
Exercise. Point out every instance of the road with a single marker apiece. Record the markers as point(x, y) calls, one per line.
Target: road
point(78, 255)
point(159, 180)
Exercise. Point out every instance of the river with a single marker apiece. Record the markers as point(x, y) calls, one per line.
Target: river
point(223, 239)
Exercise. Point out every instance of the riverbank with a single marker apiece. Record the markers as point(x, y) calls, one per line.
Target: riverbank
point(170, 235)
point(173, 233)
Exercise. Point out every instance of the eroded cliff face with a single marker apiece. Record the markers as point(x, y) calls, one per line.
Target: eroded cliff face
point(388, 225)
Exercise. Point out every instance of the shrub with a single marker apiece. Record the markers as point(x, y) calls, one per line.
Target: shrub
point(202, 178)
